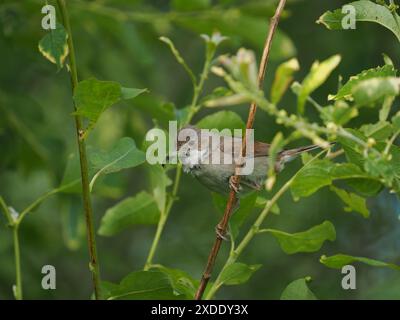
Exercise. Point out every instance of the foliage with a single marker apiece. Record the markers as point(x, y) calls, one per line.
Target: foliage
point(356, 125)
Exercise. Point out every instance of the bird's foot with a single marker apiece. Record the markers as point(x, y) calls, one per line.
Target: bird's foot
point(233, 184)
point(221, 233)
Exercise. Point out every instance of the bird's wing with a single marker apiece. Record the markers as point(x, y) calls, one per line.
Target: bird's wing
point(261, 149)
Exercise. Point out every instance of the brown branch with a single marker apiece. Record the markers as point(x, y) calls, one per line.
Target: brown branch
point(223, 224)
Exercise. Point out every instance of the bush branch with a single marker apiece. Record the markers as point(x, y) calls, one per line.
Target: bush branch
point(250, 120)
point(87, 203)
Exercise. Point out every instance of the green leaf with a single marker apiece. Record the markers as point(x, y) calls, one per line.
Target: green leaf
point(237, 273)
point(353, 201)
point(182, 283)
point(159, 183)
point(396, 121)
point(312, 178)
point(345, 92)
point(283, 78)
point(277, 144)
point(307, 241)
point(351, 148)
point(322, 173)
point(142, 285)
point(379, 131)
point(339, 260)
point(130, 93)
point(53, 46)
point(367, 11)
point(373, 90)
point(298, 290)
point(138, 210)
point(340, 113)
point(92, 97)
point(124, 155)
point(222, 120)
point(317, 76)
point(379, 167)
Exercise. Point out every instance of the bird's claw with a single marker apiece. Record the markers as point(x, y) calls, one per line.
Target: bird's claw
point(233, 180)
point(221, 233)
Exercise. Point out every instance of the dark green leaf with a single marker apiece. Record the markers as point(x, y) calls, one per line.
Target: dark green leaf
point(141, 209)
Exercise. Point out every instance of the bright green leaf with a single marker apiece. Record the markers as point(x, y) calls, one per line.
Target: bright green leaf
point(298, 290)
point(318, 74)
point(370, 91)
point(54, 46)
point(283, 78)
point(138, 210)
point(307, 241)
point(237, 273)
point(365, 11)
point(339, 260)
point(345, 92)
point(354, 202)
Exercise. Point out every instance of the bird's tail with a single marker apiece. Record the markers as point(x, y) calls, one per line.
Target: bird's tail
point(289, 155)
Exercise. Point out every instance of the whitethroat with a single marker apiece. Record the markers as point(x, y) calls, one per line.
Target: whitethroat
point(196, 151)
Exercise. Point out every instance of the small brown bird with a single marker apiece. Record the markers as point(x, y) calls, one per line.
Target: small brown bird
point(196, 152)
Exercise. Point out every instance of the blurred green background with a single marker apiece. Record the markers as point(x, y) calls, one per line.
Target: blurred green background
point(118, 40)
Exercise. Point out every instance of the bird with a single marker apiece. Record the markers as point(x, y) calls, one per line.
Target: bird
point(195, 153)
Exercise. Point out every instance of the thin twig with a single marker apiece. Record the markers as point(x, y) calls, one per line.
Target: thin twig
point(222, 226)
point(87, 203)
